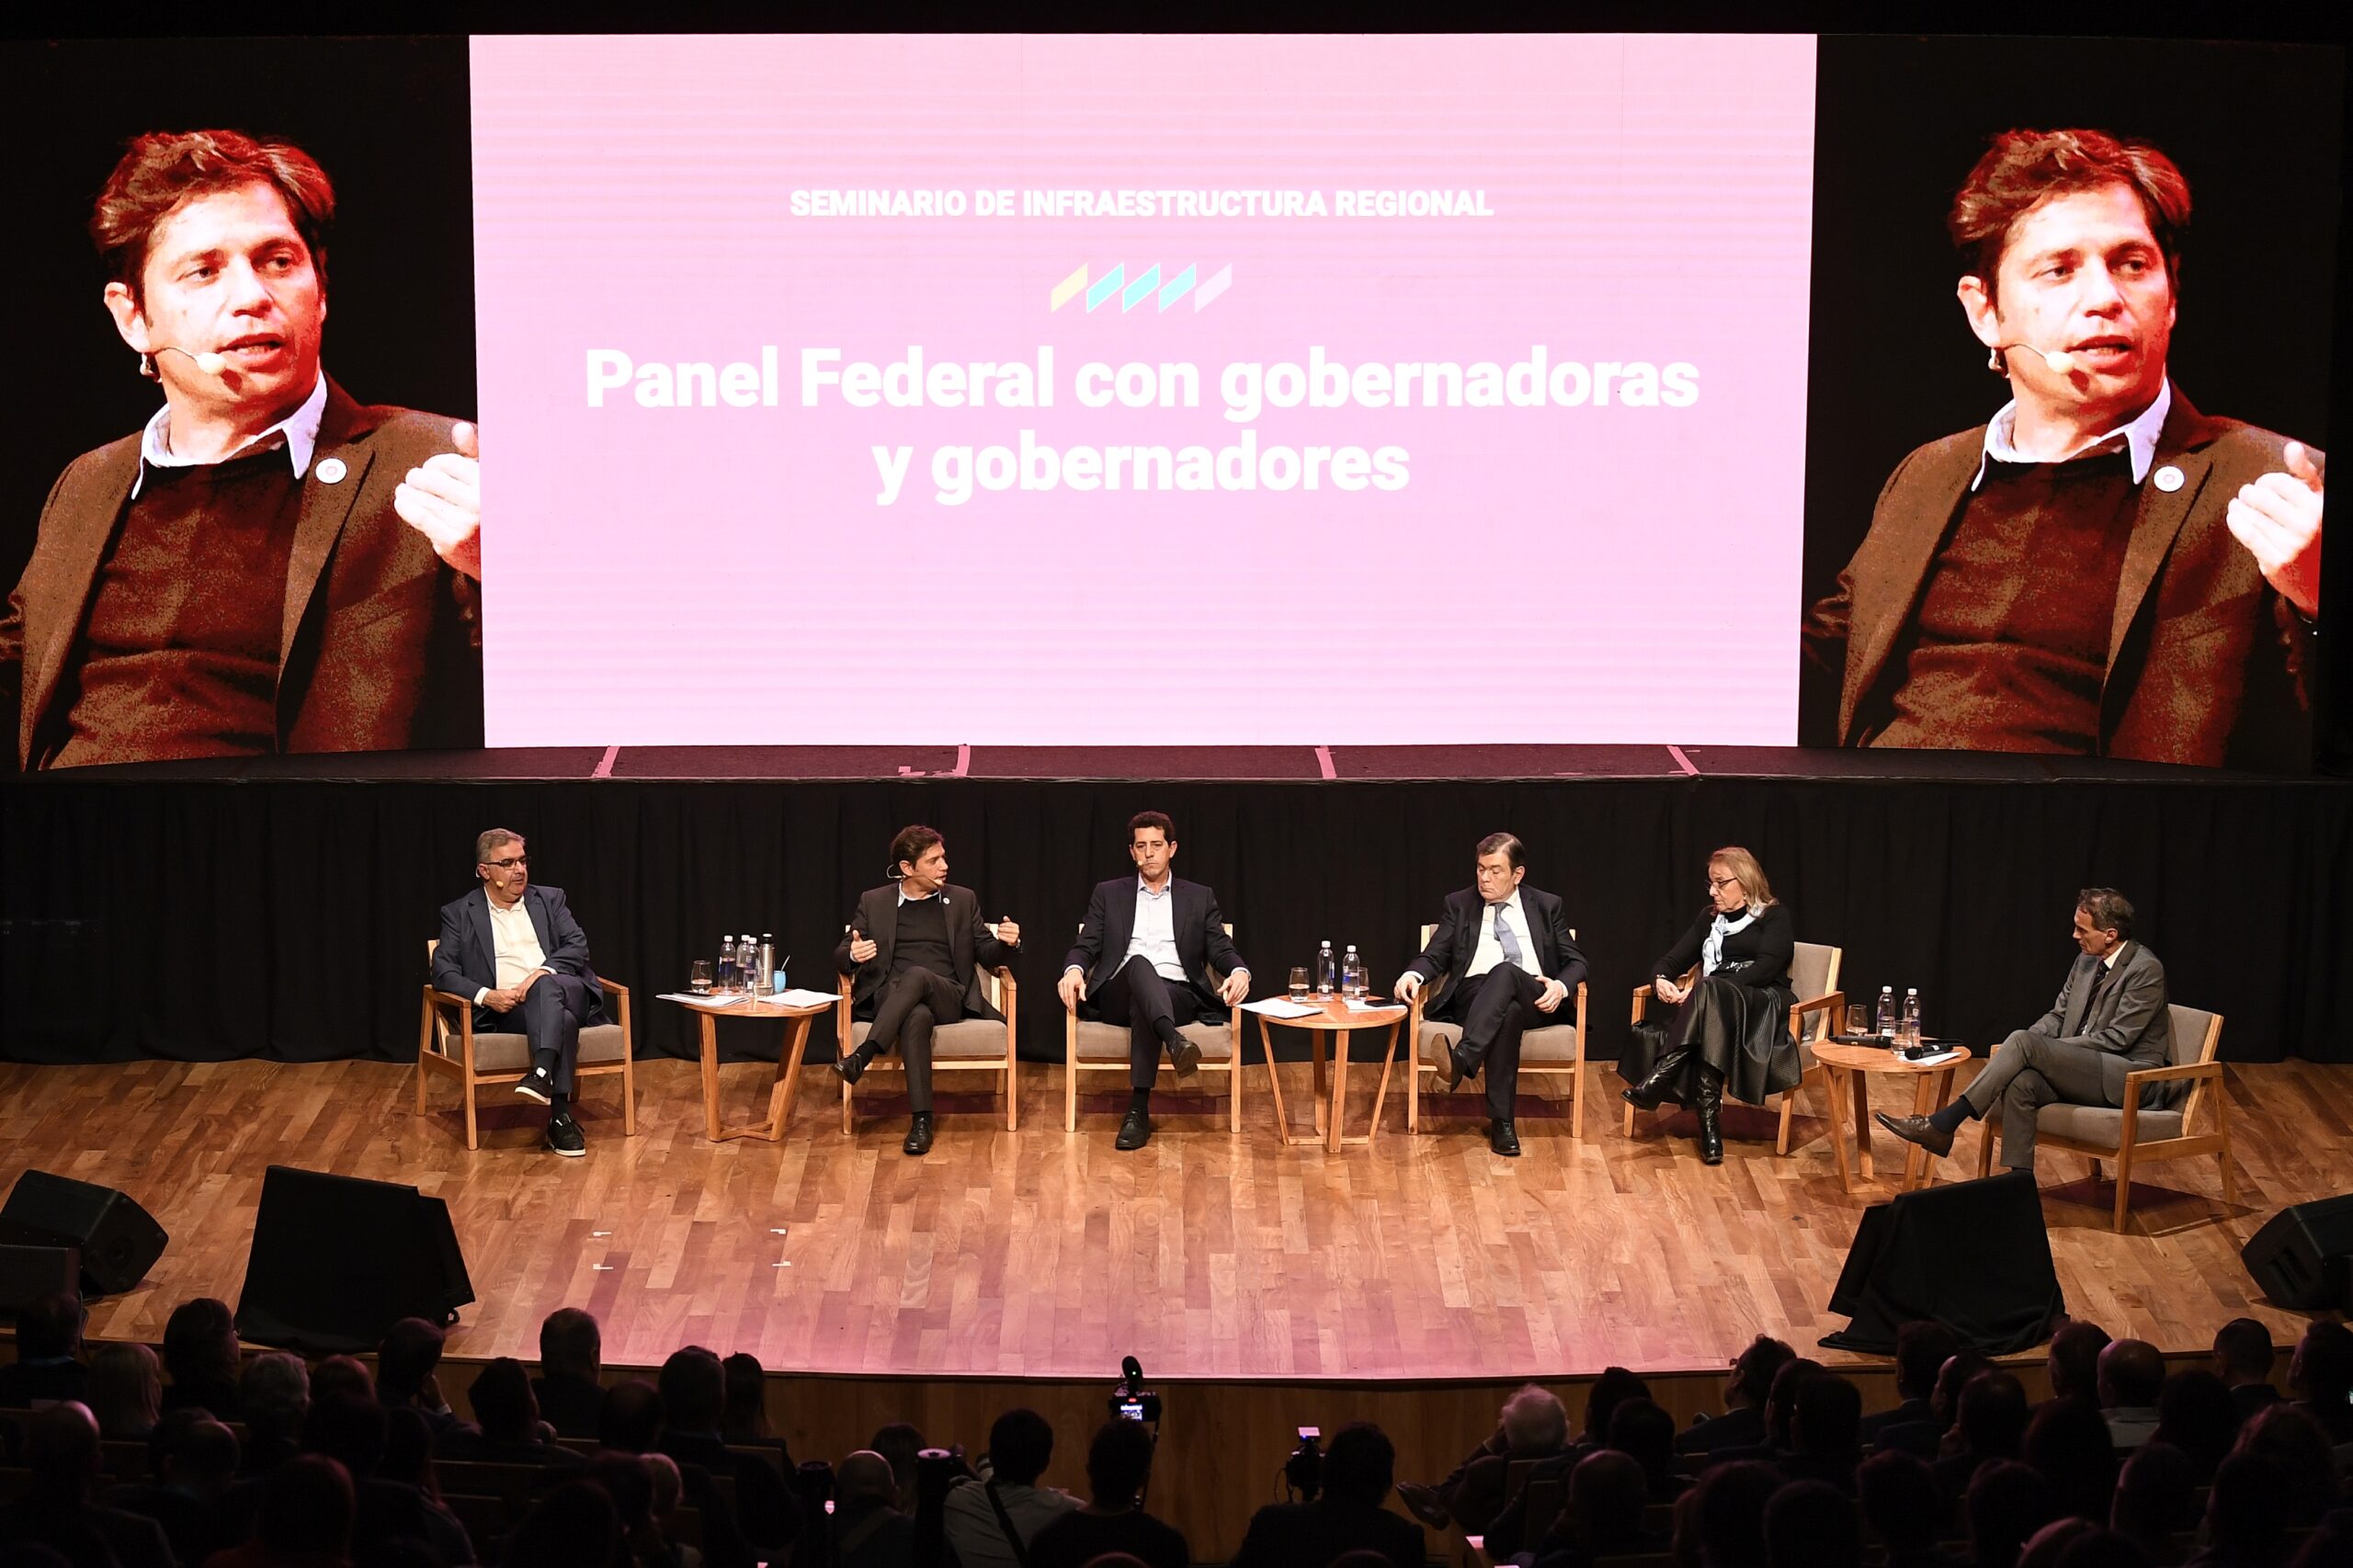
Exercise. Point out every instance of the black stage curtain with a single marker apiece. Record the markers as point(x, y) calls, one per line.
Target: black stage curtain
point(287, 919)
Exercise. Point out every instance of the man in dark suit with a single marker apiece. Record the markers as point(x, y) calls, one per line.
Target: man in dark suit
point(269, 566)
point(2243, 1358)
point(2111, 1017)
point(918, 947)
point(1143, 959)
point(1503, 950)
point(514, 947)
point(2100, 569)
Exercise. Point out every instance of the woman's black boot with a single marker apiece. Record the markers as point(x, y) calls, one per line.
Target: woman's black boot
point(1710, 1103)
point(1646, 1095)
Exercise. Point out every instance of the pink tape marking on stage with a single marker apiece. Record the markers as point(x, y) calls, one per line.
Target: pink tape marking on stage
point(725, 575)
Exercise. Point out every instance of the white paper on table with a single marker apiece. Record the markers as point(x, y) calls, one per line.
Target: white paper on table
point(700, 1000)
point(800, 997)
point(1279, 1007)
point(1359, 1005)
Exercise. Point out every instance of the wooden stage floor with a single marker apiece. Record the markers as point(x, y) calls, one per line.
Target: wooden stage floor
point(1043, 1254)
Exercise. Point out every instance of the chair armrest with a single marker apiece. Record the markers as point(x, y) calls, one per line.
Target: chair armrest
point(451, 999)
point(843, 986)
point(1833, 999)
point(612, 986)
point(2142, 1076)
point(1003, 973)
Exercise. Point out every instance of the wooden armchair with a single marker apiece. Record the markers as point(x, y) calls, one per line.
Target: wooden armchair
point(1554, 1049)
point(2132, 1136)
point(1089, 1046)
point(1813, 975)
point(445, 1043)
point(966, 1045)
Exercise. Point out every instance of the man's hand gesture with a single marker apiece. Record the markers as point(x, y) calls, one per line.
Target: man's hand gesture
point(2278, 518)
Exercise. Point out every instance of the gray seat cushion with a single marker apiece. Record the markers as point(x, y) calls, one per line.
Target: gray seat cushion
point(1555, 1045)
point(1109, 1042)
point(504, 1052)
point(969, 1039)
point(2104, 1125)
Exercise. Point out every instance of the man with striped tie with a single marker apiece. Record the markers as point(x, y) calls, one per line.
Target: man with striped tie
point(1505, 949)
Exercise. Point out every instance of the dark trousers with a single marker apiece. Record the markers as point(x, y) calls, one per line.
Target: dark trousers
point(549, 1017)
point(1494, 1009)
point(1142, 998)
point(910, 1005)
point(2028, 1071)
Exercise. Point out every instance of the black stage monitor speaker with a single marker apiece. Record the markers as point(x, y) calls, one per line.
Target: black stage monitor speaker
point(1973, 1254)
point(337, 1260)
point(27, 1274)
point(119, 1241)
point(2303, 1256)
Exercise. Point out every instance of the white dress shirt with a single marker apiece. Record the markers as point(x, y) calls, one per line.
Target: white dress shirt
point(516, 944)
point(1155, 930)
point(300, 430)
point(2138, 435)
point(1490, 953)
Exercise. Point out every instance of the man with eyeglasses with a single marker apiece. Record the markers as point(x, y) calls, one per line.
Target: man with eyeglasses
point(516, 950)
point(1506, 952)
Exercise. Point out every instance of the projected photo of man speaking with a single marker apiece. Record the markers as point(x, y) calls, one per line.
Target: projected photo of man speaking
point(2102, 568)
point(268, 565)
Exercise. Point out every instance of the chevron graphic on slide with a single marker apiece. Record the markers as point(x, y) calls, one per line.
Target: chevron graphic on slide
point(1144, 285)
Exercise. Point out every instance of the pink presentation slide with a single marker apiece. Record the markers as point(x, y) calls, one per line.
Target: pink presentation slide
point(1134, 391)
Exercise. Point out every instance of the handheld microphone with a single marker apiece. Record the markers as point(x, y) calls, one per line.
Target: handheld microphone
point(2059, 361)
point(208, 362)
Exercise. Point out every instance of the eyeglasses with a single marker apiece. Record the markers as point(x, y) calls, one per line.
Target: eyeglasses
point(508, 865)
point(1716, 884)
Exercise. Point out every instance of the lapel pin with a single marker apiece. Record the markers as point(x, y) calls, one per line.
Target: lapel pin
point(331, 471)
point(2169, 479)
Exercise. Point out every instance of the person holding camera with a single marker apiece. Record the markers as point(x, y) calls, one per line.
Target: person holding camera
point(1119, 1466)
point(1357, 1472)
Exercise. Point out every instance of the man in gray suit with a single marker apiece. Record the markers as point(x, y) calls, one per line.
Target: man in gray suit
point(2110, 1019)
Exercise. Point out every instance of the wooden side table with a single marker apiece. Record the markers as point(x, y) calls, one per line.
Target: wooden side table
point(1337, 1016)
point(787, 1063)
point(1851, 1067)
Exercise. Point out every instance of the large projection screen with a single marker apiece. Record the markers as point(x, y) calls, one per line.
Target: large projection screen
point(1357, 390)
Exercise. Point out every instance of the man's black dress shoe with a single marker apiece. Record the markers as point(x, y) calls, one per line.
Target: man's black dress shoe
point(850, 1066)
point(918, 1134)
point(1917, 1130)
point(1504, 1138)
point(1135, 1129)
point(1186, 1057)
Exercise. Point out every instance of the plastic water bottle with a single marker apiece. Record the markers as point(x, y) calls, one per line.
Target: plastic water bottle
point(1908, 1032)
point(726, 965)
point(1351, 982)
point(748, 958)
point(1887, 1012)
point(1323, 971)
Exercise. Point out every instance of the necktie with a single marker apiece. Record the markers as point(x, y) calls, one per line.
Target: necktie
point(2099, 984)
point(1505, 939)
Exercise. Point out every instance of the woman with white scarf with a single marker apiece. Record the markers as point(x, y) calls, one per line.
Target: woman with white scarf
point(1731, 1029)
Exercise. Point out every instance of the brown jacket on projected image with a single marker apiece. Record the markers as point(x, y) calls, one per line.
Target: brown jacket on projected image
point(380, 646)
point(2206, 663)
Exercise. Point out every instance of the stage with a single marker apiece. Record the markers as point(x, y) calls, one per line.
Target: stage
point(1414, 1282)
point(1044, 1253)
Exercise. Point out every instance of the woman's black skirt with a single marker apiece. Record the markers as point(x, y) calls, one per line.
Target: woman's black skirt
point(1741, 1032)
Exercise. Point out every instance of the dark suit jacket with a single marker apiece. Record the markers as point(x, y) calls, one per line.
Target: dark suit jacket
point(1201, 941)
point(2130, 1022)
point(382, 646)
point(1741, 1428)
point(972, 946)
point(2206, 663)
point(1456, 942)
point(467, 959)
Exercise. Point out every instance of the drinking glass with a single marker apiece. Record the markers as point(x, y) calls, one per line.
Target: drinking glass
point(699, 977)
point(1298, 982)
point(1858, 1019)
